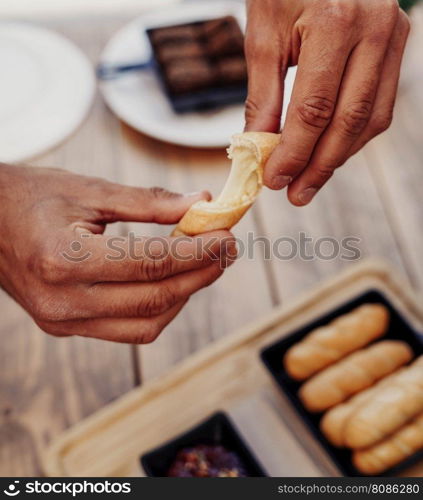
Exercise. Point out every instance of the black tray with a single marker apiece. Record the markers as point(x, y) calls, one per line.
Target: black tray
point(399, 329)
point(216, 430)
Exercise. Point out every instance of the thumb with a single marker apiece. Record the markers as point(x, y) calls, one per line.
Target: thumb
point(124, 203)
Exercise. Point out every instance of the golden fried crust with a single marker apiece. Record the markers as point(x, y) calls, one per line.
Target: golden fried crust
point(375, 413)
point(200, 220)
point(352, 374)
point(334, 420)
point(329, 343)
point(394, 449)
point(388, 410)
point(197, 221)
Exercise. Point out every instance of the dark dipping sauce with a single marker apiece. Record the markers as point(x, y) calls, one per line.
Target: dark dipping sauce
point(207, 461)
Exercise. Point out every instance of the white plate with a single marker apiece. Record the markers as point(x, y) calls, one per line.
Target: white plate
point(46, 89)
point(137, 98)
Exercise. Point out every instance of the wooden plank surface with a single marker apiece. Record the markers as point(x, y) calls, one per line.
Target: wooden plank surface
point(396, 157)
point(47, 384)
point(346, 208)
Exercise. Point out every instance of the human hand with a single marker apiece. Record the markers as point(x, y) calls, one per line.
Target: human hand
point(349, 55)
point(74, 280)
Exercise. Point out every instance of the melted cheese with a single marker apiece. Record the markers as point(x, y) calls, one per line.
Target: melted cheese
point(243, 183)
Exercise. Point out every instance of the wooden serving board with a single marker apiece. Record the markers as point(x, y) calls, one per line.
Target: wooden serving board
point(229, 376)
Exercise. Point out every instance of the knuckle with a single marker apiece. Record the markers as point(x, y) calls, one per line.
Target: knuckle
point(315, 111)
point(49, 328)
point(355, 117)
point(159, 193)
point(340, 13)
point(383, 9)
point(258, 47)
point(295, 161)
point(381, 122)
point(385, 13)
point(158, 302)
point(253, 110)
point(382, 34)
point(389, 8)
point(148, 334)
point(46, 308)
point(50, 267)
point(379, 38)
point(52, 328)
point(404, 24)
point(155, 269)
point(325, 171)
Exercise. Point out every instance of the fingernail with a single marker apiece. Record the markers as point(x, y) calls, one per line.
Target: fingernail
point(307, 195)
point(280, 181)
point(194, 193)
point(200, 195)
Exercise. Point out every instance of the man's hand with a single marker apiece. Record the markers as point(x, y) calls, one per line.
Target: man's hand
point(349, 55)
point(73, 280)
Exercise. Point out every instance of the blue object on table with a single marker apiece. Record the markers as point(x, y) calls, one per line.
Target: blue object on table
point(110, 71)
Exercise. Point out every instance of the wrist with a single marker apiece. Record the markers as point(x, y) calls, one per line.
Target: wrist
point(5, 183)
point(10, 178)
point(4, 168)
point(3, 203)
point(5, 171)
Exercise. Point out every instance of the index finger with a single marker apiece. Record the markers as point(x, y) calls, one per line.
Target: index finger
point(93, 258)
point(321, 64)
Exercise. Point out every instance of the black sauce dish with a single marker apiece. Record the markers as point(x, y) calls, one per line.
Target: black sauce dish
point(218, 429)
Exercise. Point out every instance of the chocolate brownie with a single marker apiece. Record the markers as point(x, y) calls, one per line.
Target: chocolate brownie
point(187, 75)
point(232, 70)
point(168, 53)
point(173, 34)
point(223, 37)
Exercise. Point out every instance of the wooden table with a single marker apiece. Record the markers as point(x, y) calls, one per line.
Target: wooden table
point(48, 384)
